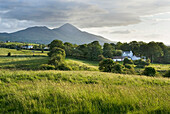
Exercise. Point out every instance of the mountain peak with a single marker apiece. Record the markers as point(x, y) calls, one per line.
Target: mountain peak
point(69, 28)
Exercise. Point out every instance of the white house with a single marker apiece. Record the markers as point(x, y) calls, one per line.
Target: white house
point(128, 54)
point(27, 47)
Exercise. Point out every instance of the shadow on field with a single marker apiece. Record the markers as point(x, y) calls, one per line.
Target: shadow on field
point(23, 63)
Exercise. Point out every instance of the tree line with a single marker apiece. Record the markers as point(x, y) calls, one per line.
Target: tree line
point(157, 52)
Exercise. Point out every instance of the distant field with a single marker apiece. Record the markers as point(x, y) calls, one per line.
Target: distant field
point(82, 92)
point(161, 66)
point(18, 43)
point(14, 52)
point(33, 63)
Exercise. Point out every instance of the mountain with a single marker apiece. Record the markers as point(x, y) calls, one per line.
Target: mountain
point(44, 35)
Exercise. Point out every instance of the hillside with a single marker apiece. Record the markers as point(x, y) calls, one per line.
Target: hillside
point(44, 35)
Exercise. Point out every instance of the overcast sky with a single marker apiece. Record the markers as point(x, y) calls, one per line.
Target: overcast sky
point(117, 20)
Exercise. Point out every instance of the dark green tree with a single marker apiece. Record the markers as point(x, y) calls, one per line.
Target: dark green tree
point(68, 48)
point(56, 43)
point(94, 50)
point(154, 51)
point(108, 50)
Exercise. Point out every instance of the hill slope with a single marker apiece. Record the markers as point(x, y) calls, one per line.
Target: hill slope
point(44, 35)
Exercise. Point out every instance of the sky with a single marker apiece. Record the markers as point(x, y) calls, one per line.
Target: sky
point(117, 20)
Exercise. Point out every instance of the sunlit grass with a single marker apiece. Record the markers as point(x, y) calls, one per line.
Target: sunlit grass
point(82, 92)
point(14, 52)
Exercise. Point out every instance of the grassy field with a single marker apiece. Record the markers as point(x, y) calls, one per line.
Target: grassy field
point(82, 92)
point(24, 88)
point(34, 63)
point(14, 52)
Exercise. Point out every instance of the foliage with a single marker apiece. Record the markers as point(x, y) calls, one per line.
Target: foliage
point(149, 71)
point(101, 57)
point(117, 53)
point(106, 65)
point(56, 43)
point(108, 50)
point(64, 66)
point(141, 63)
point(117, 68)
point(94, 50)
point(167, 74)
point(47, 67)
point(55, 51)
point(127, 61)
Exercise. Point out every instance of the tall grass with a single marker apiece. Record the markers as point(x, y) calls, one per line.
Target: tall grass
point(82, 92)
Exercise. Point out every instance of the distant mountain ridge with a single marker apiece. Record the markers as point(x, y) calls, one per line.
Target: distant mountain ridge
point(44, 35)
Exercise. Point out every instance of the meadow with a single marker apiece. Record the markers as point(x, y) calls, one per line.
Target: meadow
point(82, 92)
point(14, 52)
point(24, 88)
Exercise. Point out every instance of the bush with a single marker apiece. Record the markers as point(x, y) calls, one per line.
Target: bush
point(129, 69)
point(106, 65)
point(128, 66)
point(64, 66)
point(149, 71)
point(9, 54)
point(167, 74)
point(47, 67)
point(141, 63)
point(117, 68)
point(127, 61)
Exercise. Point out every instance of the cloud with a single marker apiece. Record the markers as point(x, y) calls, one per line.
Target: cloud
point(86, 13)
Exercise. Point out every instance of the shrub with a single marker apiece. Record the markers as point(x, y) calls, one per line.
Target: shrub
point(128, 66)
point(64, 66)
point(167, 74)
point(47, 67)
point(149, 71)
point(141, 63)
point(106, 65)
point(127, 61)
point(9, 54)
point(117, 68)
point(129, 69)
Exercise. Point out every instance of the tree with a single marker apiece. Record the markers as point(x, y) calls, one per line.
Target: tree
point(125, 47)
point(117, 52)
point(154, 50)
point(68, 48)
point(106, 65)
point(134, 46)
point(94, 50)
point(118, 45)
point(56, 51)
point(84, 50)
point(149, 71)
point(108, 50)
point(56, 43)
